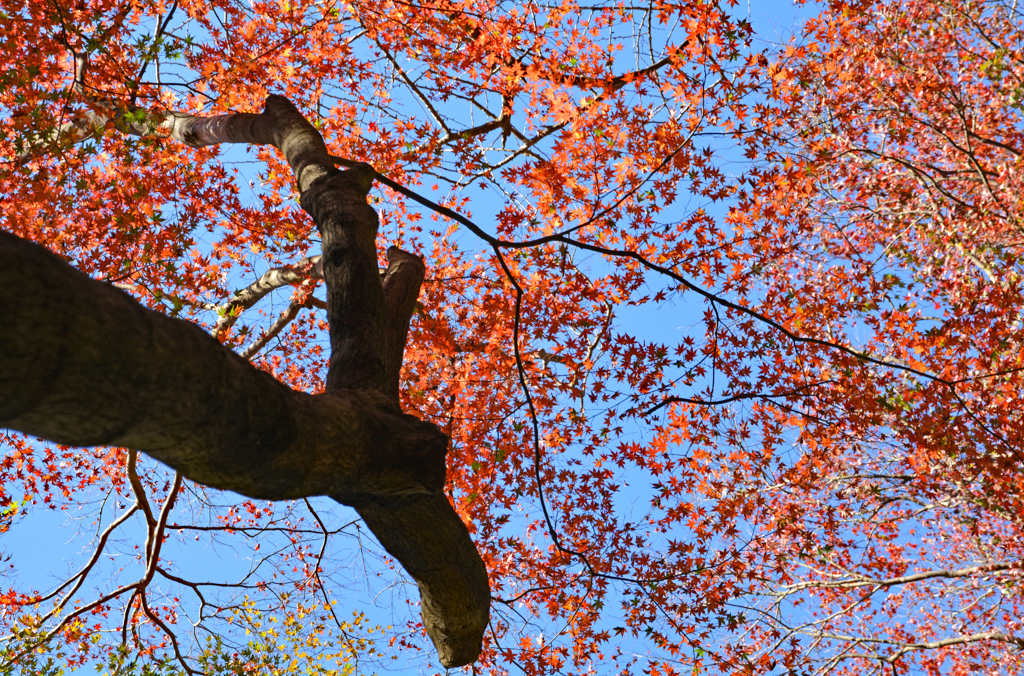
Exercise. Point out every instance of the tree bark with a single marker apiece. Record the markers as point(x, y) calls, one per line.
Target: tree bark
point(83, 364)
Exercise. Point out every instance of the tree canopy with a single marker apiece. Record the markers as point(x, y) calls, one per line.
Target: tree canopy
point(641, 343)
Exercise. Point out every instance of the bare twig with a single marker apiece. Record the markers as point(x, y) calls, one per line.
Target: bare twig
point(310, 268)
point(282, 321)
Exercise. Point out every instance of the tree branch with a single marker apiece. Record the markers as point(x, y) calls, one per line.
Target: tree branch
point(283, 320)
point(85, 365)
point(402, 283)
point(305, 269)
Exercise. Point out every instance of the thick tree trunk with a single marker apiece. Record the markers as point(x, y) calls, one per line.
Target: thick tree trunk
point(83, 364)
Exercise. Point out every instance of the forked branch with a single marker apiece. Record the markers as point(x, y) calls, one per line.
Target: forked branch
point(84, 364)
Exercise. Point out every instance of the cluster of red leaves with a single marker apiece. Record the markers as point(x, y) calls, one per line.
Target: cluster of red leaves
point(733, 384)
